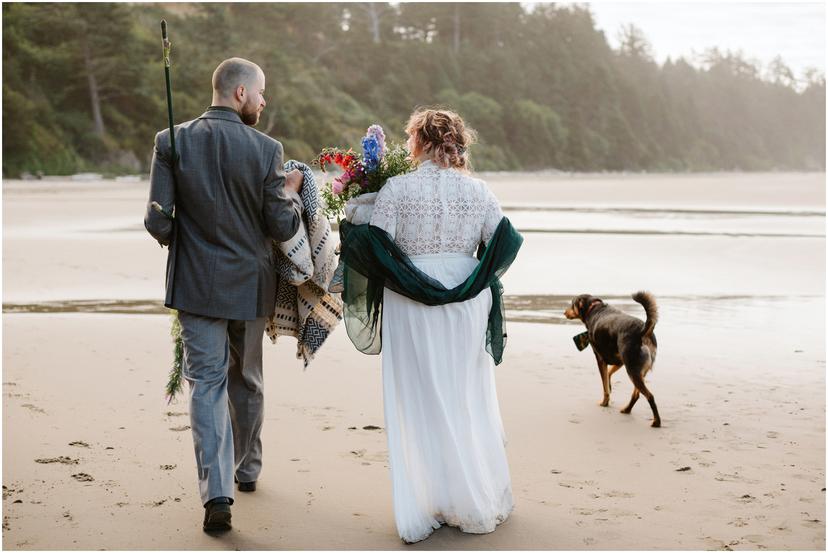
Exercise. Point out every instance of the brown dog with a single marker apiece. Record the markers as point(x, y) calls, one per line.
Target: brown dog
point(620, 340)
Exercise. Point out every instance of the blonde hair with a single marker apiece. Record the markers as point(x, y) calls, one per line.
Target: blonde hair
point(442, 135)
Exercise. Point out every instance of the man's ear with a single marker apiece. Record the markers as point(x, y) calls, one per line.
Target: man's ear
point(241, 92)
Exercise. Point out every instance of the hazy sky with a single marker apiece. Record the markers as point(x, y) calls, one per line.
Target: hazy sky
point(794, 30)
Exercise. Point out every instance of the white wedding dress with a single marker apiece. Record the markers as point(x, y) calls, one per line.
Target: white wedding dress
point(445, 436)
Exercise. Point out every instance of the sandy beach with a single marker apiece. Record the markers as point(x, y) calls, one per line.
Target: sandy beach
point(94, 458)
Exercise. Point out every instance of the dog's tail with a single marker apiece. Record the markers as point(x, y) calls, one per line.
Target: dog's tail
point(647, 301)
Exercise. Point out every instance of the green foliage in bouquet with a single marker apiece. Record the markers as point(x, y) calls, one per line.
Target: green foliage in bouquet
point(396, 161)
point(361, 173)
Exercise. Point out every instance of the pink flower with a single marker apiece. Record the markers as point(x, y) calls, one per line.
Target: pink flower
point(337, 187)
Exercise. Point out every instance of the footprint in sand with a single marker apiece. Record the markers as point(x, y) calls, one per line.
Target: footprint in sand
point(62, 460)
point(781, 529)
point(379, 457)
point(33, 408)
point(79, 443)
point(586, 511)
point(168, 467)
point(756, 539)
point(772, 434)
point(735, 477)
point(719, 545)
point(180, 428)
point(738, 522)
point(82, 477)
point(577, 484)
point(619, 493)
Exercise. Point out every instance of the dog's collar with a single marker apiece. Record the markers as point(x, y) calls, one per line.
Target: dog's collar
point(591, 307)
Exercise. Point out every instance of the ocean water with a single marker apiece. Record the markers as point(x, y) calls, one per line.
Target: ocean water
point(738, 252)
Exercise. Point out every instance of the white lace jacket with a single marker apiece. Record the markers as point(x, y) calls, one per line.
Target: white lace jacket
point(434, 210)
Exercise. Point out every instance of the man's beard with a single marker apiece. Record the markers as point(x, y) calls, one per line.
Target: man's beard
point(250, 114)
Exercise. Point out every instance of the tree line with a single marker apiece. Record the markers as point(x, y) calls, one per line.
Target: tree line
point(83, 86)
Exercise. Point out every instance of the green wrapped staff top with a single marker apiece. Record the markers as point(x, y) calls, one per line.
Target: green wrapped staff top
point(374, 262)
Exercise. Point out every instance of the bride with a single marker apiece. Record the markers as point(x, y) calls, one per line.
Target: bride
point(445, 435)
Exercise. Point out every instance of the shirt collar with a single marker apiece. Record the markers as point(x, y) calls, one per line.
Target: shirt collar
point(221, 112)
point(223, 108)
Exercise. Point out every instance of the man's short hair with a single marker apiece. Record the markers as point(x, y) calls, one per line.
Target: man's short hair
point(232, 73)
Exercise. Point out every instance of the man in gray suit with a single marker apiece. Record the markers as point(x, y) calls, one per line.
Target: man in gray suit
point(231, 197)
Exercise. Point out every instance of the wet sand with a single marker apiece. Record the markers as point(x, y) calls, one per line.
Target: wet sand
point(93, 457)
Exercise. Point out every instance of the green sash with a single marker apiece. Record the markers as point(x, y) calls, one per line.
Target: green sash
point(374, 262)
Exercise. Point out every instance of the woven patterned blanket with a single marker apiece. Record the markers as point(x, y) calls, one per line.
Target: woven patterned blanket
point(304, 267)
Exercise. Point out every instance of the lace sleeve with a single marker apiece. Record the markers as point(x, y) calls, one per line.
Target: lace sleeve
point(384, 215)
point(492, 215)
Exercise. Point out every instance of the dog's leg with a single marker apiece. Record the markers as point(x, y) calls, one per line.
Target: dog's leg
point(626, 410)
point(638, 381)
point(602, 369)
point(612, 370)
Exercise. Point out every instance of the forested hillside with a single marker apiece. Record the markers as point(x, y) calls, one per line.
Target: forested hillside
point(83, 86)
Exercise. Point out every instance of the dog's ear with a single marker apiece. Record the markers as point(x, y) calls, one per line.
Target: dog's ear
point(583, 304)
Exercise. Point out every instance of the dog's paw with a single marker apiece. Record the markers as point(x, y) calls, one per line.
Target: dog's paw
point(656, 424)
point(626, 410)
point(604, 403)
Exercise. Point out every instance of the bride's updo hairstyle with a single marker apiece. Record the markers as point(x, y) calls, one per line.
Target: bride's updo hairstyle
point(441, 135)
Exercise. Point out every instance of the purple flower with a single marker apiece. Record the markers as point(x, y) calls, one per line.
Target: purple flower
point(370, 152)
point(377, 132)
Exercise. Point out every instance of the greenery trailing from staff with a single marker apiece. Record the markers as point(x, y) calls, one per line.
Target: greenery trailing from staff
point(175, 382)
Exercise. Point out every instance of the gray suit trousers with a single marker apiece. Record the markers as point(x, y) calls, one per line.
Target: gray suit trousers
point(223, 364)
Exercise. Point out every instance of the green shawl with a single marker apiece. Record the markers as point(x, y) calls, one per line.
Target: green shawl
point(374, 262)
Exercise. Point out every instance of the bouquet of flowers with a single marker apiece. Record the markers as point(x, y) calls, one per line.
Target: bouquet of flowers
point(363, 174)
point(354, 192)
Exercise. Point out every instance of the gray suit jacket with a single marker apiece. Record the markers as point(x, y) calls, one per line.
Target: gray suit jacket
point(229, 203)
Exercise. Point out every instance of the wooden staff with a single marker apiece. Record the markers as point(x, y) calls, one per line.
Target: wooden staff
point(165, 43)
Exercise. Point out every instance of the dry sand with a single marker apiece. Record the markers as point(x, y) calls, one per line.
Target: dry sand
point(93, 458)
point(584, 477)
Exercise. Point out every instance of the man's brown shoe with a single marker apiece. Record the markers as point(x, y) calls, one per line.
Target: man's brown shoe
point(217, 515)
